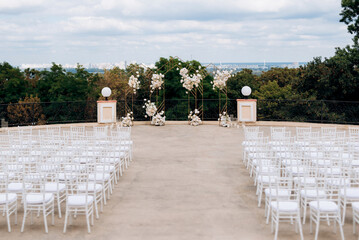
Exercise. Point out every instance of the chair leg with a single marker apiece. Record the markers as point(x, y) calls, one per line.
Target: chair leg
point(53, 214)
point(340, 227)
point(300, 227)
point(304, 210)
point(317, 227)
point(23, 220)
point(96, 208)
point(104, 195)
point(276, 229)
point(45, 220)
point(88, 222)
point(66, 217)
point(16, 213)
point(354, 222)
point(59, 204)
point(8, 220)
point(344, 210)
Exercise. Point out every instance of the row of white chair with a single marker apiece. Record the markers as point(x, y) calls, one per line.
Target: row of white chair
point(75, 166)
point(308, 170)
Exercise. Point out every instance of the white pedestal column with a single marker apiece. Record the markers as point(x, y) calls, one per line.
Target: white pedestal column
point(106, 111)
point(247, 110)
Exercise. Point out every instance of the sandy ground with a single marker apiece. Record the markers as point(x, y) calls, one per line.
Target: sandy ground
point(184, 183)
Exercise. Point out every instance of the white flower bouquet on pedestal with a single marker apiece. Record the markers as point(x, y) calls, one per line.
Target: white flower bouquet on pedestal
point(134, 83)
point(194, 119)
point(224, 120)
point(127, 121)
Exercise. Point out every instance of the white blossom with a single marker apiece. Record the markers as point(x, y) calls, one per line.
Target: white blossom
point(190, 81)
point(127, 121)
point(157, 81)
point(220, 79)
point(159, 119)
point(224, 120)
point(194, 119)
point(151, 108)
point(134, 83)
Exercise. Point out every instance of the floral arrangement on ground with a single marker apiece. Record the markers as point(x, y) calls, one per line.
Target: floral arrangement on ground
point(194, 119)
point(127, 121)
point(159, 119)
point(224, 120)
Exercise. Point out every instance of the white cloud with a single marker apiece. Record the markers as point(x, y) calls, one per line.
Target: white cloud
point(6, 5)
point(209, 30)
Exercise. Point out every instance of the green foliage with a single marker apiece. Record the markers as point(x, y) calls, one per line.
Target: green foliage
point(239, 80)
point(283, 76)
point(350, 16)
point(272, 90)
point(12, 84)
point(335, 78)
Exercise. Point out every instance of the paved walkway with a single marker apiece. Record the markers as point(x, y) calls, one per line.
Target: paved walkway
point(185, 183)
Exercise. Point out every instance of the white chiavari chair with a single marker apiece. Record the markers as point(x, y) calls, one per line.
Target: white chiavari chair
point(8, 201)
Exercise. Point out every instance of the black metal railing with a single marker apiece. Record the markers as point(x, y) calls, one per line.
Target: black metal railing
point(324, 111)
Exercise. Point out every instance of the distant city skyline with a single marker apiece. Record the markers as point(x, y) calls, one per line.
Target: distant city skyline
point(112, 31)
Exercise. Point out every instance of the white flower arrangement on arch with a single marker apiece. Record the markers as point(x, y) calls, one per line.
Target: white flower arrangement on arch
point(194, 119)
point(220, 79)
point(159, 119)
point(224, 120)
point(190, 81)
point(127, 121)
point(151, 108)
point(157, 81)
point(134, 83)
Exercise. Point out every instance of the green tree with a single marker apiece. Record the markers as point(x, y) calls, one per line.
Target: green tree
point(13, 86)
point(239, 80)
point(283, 76)
point(350, 16)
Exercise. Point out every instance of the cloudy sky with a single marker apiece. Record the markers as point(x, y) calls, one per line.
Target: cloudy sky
point(95, 31)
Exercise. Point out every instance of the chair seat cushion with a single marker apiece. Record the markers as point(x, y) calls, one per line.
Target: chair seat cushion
point(90, 188)
point(285, 206)
point(99, 177)
point(39, 198)
point(312, 193)
point(273, 192)
point(53, 187)
point(11, 197)
point(350, 193)
point(307, 181)
point(74, 167)
point(67, 176)
point(106, 168)
point(79, 200)
point(355, 206)
point(324, 206)
point(337, 182)
point(17, 187)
